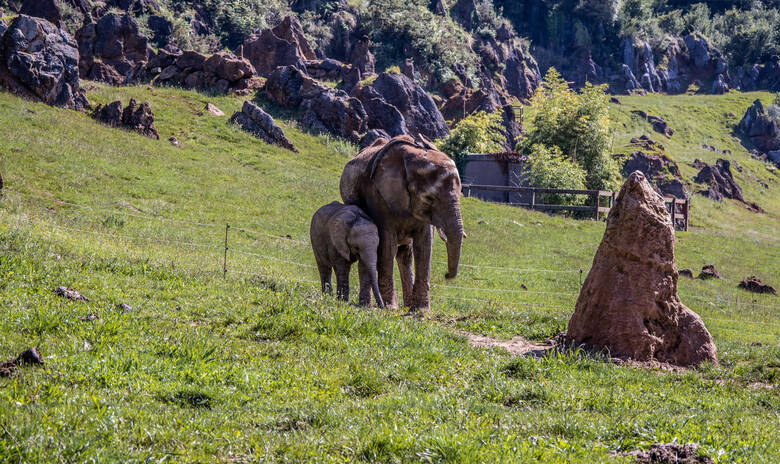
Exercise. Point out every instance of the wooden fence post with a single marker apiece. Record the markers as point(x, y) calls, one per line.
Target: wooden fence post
point(533, 199)
point(596, 197)
point(674, 212)
point(224, 259)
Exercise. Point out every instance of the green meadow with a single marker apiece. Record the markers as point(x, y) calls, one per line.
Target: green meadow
point(254, 365)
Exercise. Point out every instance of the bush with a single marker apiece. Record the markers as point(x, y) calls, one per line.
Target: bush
point(576, 123)
point(478, 132)
point(437, 41)
point(549, 168)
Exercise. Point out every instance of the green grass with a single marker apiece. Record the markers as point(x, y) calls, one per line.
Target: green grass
point(261, 367)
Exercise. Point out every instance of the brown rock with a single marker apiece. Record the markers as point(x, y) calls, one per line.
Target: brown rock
point(719, 180)
point(754, 284)
point(140, 119)
point(114, 42)
point(686, 273)
point(266, 51)
point(659, 169)
point(228, 67)
point(290, 29)
point(110, 114)
point(191, 59)
point(709, 272)
point(31, 357)
point(659, 124)
point(322, 109)
point(362, 58)
point(46, 9)
point(629, 305)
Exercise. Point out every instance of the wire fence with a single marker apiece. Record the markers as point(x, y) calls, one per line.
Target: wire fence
point(570, 297)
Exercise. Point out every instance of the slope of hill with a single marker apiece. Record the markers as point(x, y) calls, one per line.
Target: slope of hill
point(259, 366)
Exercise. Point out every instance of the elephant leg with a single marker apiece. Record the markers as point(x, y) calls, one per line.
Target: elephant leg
point(364, 296)
point(325, 273)
point(342, 282)
point(385, 258)
point(404, 257)
point(423, 251)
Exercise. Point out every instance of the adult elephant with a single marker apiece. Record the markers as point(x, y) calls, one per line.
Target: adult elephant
point(407, 189)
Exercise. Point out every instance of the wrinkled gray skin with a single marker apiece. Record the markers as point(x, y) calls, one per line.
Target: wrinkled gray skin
point(406, 189)
point(340, 235)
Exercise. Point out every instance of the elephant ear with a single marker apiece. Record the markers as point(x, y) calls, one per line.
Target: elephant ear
point(338, 228)
point(389, 174)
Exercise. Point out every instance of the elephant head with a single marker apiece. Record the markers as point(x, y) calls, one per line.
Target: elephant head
point(423, 183)
point(354, 234)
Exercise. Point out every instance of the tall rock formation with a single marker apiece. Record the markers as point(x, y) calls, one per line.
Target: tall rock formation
point(629, 305)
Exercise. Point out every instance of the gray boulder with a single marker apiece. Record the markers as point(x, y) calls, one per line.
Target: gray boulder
point(260, 124)
point(113, 50)
point(322, 108)
point(719, 180)
point(40, 61)
point(268, 50)
point(762, 130)
point(719, 87)
point(419, 111)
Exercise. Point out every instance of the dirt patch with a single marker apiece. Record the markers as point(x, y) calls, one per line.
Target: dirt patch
point(127, 205)
point(754, 284)
point(671, 453)
point(518, 346)
point(29, 357)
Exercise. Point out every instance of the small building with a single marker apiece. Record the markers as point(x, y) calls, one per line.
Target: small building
point(504, 169)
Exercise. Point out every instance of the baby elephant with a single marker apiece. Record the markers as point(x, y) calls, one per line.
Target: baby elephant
point(340, 235)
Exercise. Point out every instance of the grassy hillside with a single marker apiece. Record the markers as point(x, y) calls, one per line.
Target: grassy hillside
point(259, 366)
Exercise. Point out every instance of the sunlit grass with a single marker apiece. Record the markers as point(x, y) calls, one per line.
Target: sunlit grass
point(259, 366)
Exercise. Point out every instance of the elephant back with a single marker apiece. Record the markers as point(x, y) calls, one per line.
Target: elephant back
point(356, 172)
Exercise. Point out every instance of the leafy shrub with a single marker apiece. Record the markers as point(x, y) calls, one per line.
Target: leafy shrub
point(233, 20)
point(576, 123)
point(437, 41)
point(479, 132)
point(549, 168)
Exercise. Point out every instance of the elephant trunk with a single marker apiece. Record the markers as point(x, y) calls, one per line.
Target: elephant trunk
point(453, 229)
point(369, 260)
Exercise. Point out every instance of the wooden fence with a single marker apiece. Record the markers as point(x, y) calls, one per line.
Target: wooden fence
point(678, 209)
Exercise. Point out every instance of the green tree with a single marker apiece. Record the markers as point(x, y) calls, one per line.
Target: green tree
point(576, 123)
point(548, 168)
point(479, 132)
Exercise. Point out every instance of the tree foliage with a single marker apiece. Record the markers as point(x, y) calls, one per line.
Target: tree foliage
point(549, 168)
point(577, 124)
point(479, 132)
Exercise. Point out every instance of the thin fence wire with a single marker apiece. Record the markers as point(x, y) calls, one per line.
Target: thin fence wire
point(713, 300)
